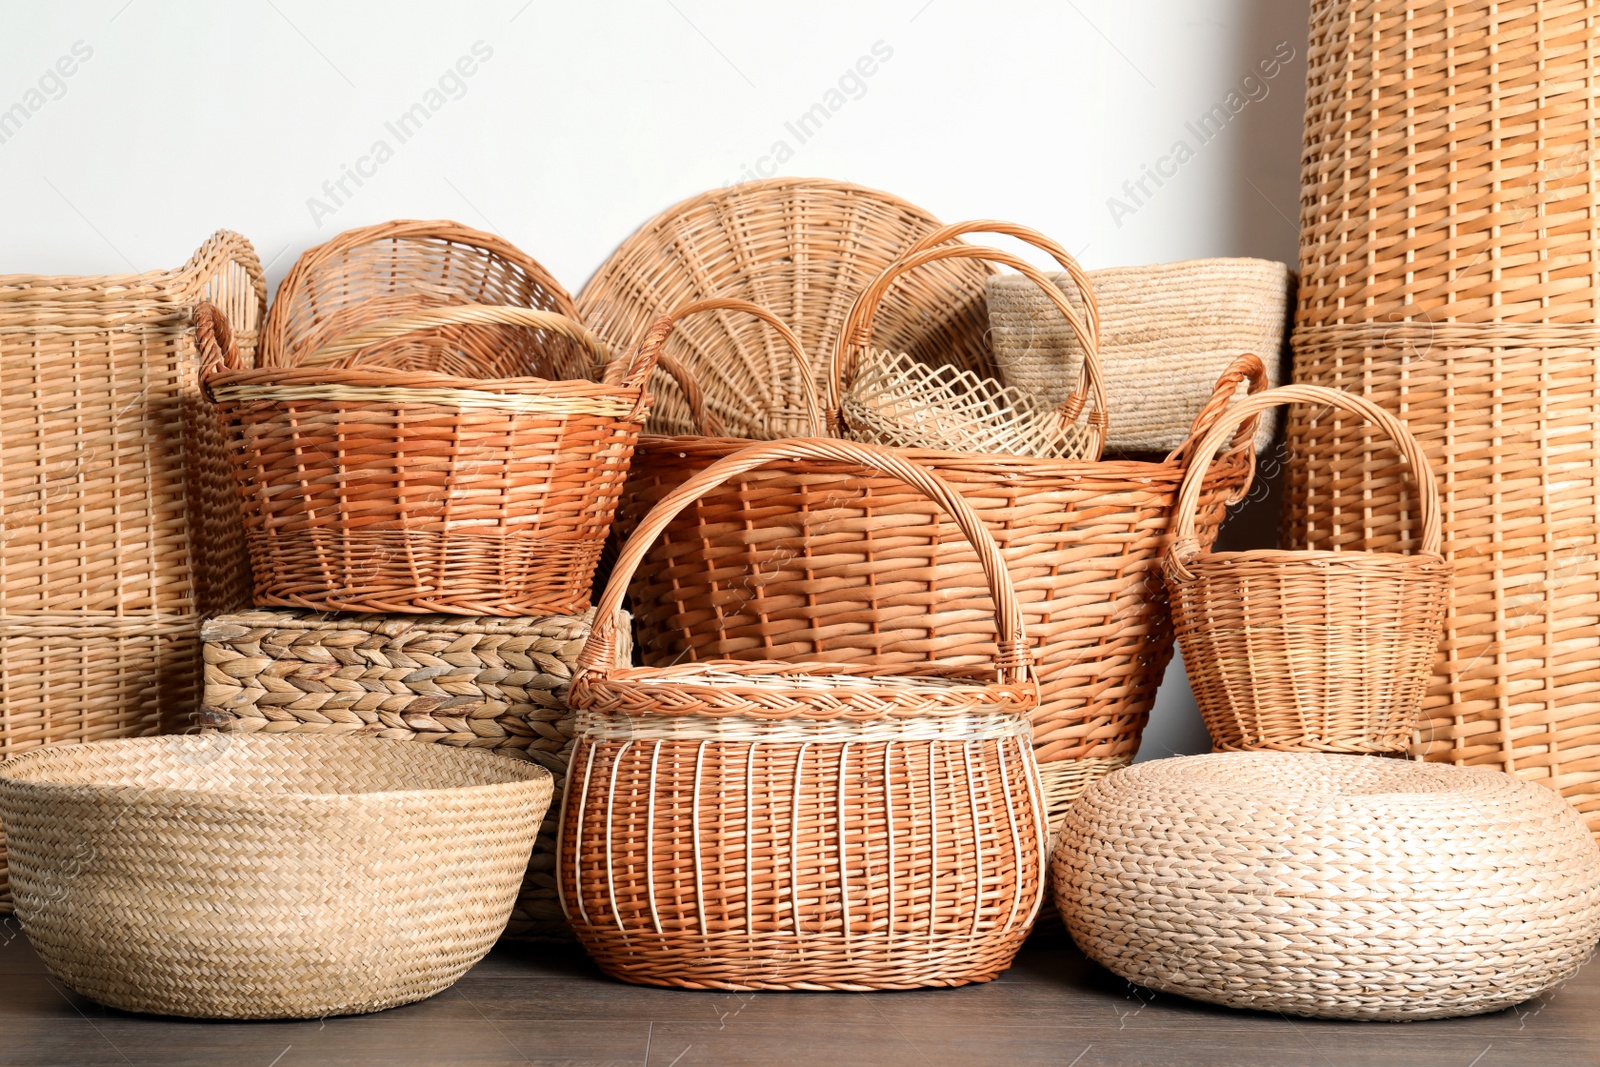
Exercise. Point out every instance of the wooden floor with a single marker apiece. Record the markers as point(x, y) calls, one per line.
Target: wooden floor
point(550, 1006)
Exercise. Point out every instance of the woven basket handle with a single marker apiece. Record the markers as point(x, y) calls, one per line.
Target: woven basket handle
point(1079, 276)
point(350, 346)
point(856, 336)
point(1014, 661)
point(1186, 544)
point(656, 338)
point(1247, 369)
point(214, 338)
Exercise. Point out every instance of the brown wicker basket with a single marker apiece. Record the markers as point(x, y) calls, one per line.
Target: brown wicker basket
point(370, 489)
point(395, 268)
point(117, 522)
point(804, 825)
point(221, 876)
point(801, 248)
point(1309, 651)
point(459, 681)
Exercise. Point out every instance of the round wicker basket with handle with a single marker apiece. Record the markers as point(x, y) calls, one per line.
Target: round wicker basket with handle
point(366, 488)
point(266, 876)
point(804, 825)
point(1315, 650)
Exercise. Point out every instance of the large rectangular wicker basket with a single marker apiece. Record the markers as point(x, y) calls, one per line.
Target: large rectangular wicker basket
point(466, 681)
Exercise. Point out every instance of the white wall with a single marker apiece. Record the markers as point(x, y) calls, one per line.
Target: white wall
point(579, 121)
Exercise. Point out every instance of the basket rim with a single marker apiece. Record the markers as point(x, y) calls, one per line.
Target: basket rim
point(379, 379)
point(1319, 557)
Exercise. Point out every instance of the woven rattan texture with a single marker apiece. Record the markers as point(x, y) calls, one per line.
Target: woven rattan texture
point(1339, 886)
point(395, 268)
point(266, 877)
point(463, 682)
point(1447, 168)
point(804, 825)
point(1166, 331)
point(1323, 651)
point(828, 562)
point(371, 489)
point(802, 248)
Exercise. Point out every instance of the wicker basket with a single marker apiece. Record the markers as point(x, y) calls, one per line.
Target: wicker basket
point(117, 527)
point(1335, 886)
point(266, 877)
point(799, 825)
point(1314, 651)
point(390, 491)
point(850, 566)
point(1448, 274)
point(1166, 332)
point(891, 399)
point(458, 681)
point(395, 268)
point(802, 248)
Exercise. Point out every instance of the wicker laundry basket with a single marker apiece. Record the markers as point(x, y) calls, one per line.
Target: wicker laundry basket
point(118, 529)
point(803, 825)
point(1323, 651)
point(460, 681)
point(260, 877)
point(1166, 331)
point(802, 248)
point(381, 272)
point(1345, 887)
point(371, 489)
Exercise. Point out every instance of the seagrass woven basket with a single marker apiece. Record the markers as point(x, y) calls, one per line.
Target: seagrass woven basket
point(373, 489)
point(802, 248)
point(1166, 331)
point(460, 681)
point(118, 528)
point(1341, 887)
point(890, 398)
point(804, 825)
point(850, 566)
point(257, 877)
point(1449, 220)
point(1321, 651)
point(380, 272)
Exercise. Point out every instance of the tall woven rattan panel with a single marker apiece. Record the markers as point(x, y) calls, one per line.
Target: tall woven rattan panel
point(118, 526)
point(1449, 224)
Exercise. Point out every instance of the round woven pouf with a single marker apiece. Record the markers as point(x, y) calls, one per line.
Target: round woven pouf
point(1349, 887)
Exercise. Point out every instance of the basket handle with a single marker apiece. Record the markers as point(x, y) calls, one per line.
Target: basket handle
point(857, 335)
point(1014, 660)
point(351, 344)
point(656, 338)
point(1079, 276)
point(214, 338)
point(1186, 545)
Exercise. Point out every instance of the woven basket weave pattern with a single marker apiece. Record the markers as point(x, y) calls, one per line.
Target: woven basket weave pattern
point(356, 875)
point(1325, 885)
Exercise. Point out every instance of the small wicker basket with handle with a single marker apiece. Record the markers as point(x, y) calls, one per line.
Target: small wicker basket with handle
point(1318, 650)
point(803, 825)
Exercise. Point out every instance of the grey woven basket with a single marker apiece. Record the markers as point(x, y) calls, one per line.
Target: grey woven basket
point(1167, 332)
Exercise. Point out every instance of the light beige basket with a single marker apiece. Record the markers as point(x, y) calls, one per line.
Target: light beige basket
point(257, 877)
point(1166, 332)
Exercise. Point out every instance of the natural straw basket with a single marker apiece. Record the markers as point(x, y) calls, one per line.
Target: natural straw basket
point(801, 248)
point(1321, 651)
point(1166, 331)
point(382, 490)
point(266, 877)
point(803, 825)
point(1332, 886)
point(395, 268)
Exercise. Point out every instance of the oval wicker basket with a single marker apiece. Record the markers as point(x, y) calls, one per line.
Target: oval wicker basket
point(1324, 651)
point(801, 248)
point(1343, 887)
point(1166, 331)
point(803, 825)
point(373, 489)
point(263, 877)
point(380, 272)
